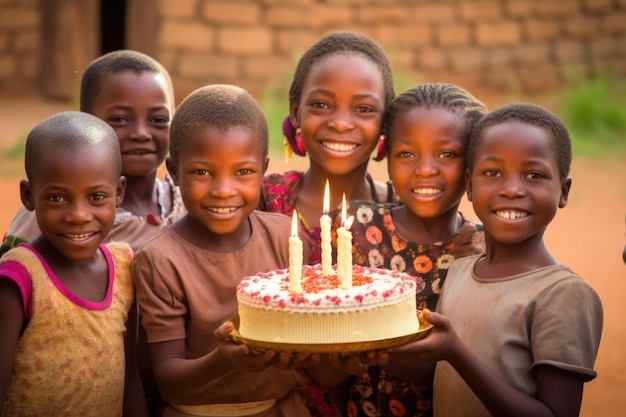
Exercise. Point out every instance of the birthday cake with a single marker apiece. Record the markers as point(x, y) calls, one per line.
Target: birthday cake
point(379, 305)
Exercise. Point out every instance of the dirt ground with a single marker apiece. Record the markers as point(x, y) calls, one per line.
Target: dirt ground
point(588, 235)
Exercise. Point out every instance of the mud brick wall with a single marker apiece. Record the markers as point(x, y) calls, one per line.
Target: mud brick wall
point(528, 45)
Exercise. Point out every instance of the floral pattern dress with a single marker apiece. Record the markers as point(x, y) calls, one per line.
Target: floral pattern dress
point(376, 243)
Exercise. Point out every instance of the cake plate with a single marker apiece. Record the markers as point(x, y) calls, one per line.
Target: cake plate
point(424, 330)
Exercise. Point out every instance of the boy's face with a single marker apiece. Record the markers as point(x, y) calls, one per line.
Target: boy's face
point(220, 175)
point(426, 160)
point(340, 112)
point(515, 186)
point(139, 109)
point(75, 194)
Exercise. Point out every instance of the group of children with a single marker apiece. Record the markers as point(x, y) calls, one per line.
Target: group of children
point(516, 333)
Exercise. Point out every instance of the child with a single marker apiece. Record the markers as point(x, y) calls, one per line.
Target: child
point(427, 129)
point(133, 93)
point(67, 315)
point(340, 89)
point(517, 333)
point(187, 273)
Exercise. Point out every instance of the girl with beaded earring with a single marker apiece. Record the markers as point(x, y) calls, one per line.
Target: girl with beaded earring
point(340, 89)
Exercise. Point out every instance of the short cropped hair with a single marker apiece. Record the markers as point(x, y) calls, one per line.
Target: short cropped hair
point(530, 114)
point(221, 106)
point(117, 62)
point(428, 95)
point(70, 130)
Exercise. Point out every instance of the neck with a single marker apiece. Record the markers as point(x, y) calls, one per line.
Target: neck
point(503, 259)
point(426, 230)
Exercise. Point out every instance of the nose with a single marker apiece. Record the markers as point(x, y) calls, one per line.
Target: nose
point(140, 131)
point(425, 167)
point(512, 187)
point(341, 120)
point(78, 213)
point(221, 187)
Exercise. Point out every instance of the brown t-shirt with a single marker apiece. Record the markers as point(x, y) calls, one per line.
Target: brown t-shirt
point(185, 292)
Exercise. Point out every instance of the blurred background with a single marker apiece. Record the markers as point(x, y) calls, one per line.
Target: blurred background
point(567, 55)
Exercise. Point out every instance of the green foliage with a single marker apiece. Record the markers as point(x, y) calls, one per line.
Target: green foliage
point(595, 114)
point(15, 152)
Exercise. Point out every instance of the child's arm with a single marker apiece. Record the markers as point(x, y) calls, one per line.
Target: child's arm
point(559, 392)
point(177, 373)
point(11, 322)
point(134, 398)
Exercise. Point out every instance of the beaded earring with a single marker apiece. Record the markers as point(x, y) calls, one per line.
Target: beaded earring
point(381, 153)
point(292, 141)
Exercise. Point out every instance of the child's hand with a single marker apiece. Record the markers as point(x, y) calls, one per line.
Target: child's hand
point(241, 356)
point(358, 363)
point(440, 344)
point(254, 360)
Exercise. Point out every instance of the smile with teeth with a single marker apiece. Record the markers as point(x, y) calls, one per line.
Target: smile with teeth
point(222, 210)
point(426, 191)
point(80, 236)
point(339, 147)
point(510, 214)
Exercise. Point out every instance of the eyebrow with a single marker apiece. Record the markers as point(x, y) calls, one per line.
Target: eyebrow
point(331, 93)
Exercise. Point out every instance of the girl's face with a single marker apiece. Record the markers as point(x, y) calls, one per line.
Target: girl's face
point(426, 160)
point(220, 174)
point(74, 194)
point(138, 107)
point(340, 112)
point(514, 185)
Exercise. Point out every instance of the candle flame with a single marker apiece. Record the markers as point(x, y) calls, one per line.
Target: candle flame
point(326, 207)
point(294, 223)
point(349, 222)
point(343, 210)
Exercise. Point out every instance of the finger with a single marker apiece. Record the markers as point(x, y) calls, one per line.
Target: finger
point(222, 332)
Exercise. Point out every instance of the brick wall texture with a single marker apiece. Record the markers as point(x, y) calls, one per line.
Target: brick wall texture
point(526, 45)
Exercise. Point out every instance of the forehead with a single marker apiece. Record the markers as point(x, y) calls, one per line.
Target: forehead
point(130, 85)
point(92, 163)
point(516, 140)
point(217, 144)
point(342, 66)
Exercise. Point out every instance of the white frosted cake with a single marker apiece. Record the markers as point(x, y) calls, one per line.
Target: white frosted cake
point(380, 305)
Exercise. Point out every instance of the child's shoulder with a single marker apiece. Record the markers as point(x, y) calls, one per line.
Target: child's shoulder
point(270, 221)
point(288, 177)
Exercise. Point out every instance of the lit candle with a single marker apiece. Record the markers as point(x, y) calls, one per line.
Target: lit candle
point(344, 248)
point(295, 257)
point(327, 258)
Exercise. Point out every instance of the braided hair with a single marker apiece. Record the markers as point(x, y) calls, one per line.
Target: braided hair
point(428, 95)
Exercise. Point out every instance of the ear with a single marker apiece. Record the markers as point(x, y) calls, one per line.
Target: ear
point(566, 185)
point(120, 191)
point(468, 184)
point(171, 169)
point(294, 117)
point(266, 164)
point(26, 195)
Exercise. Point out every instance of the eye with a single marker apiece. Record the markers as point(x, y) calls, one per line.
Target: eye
point(201, 172)
point(491, 173)
point(365, 109)
point(159, 120)
point(56, 198)
point(446, 155)
point(319, 105)
point(117, 120)
point(535, 175)
point(245, 171)
point(98, 197)
point(403, 154)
